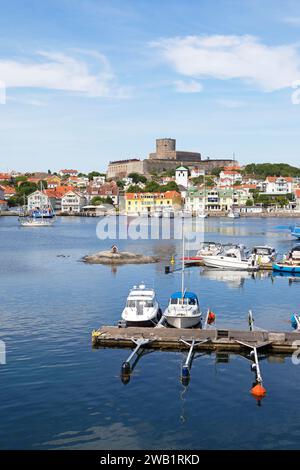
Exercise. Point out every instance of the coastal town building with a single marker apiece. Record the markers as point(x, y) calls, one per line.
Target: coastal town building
point(37, 199)
point(72, 202)
point(3, 205)
point(7, 192)
point(277, 185)
point(165, 158)
point(67, 172)
point(215, 199)
point(182, 176)
point(141, 203)
point(53, 181)
point(297, 199)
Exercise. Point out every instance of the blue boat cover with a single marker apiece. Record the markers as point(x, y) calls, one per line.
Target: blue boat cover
point(187, 295)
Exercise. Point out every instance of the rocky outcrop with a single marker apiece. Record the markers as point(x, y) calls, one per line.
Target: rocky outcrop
point(107, 257)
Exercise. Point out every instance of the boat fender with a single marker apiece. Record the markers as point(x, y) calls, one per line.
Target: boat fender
point(211, 318)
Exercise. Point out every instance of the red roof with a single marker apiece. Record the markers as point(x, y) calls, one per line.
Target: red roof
point(273, 179)
point(297, 193)
point(4, 176)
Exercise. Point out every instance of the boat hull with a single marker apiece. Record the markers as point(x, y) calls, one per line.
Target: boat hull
point(145, 322)
point(222, 263)
point(184, 321)
point(283, 268)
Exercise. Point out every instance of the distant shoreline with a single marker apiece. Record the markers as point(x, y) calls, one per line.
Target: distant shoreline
point(214, 216)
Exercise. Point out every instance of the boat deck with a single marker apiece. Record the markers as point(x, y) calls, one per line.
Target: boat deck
point(215, 339)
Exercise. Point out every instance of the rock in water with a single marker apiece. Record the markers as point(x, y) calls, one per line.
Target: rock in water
point(107, 257)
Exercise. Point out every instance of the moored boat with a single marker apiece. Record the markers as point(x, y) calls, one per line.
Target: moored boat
point(265, 254)
point(290, 262)
point(183, 310)
point(234, 257)
point(142, 308)
point(206, 249)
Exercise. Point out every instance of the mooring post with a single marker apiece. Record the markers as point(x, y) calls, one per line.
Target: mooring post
point(185, 371)
point(250, 320)
point(126, 366)
point(255, 367)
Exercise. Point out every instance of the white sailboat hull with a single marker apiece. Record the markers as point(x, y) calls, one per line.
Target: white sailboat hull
point(36, 223)
point(183, 321)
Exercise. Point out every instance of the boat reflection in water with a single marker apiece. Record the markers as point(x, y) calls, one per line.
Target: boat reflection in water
point(234, 279)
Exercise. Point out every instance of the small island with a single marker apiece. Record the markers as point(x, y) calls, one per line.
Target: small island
point(114, 256)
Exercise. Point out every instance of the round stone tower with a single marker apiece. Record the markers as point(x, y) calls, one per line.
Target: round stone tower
point(166, 149)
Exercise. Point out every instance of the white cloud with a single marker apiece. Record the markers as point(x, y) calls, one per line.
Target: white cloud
point(57, 71)
point(220, 57)
point(188, 87)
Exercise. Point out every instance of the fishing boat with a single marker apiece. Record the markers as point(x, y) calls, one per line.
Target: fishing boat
point(265, 254)
point(206, 249)
point(290, 262)
point(183, 310)
point(233, 257)
point(142, 308)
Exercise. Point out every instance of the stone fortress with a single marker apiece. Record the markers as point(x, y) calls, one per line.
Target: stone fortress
point(165, 158)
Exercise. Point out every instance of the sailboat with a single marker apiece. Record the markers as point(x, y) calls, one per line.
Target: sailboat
point(233, 214)
point(201, 213)
point(183, 310)
point(41, 217)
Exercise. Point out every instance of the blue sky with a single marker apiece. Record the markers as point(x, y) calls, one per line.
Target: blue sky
point(88, 81)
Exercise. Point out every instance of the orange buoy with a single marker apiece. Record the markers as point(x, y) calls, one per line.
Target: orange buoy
point(211, 318)
point(258, 391)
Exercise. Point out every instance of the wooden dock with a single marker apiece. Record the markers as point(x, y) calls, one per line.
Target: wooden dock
point(210, 339)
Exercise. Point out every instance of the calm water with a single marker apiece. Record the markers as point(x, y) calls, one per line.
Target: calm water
point(56, 392)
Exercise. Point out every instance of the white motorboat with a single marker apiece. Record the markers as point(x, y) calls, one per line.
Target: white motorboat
point(234, 257)
point(265, 254)
point(206, 249)
point(183, 310)
point(201, 215)
point(142, 308)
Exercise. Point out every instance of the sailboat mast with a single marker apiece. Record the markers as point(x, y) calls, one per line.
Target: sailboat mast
point(182, 267)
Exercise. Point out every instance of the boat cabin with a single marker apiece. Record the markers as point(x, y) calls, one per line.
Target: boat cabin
point(189, 298)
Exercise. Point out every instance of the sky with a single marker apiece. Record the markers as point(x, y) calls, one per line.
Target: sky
point(84, 82)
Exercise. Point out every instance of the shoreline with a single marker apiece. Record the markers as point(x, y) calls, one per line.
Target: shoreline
point(209, 215)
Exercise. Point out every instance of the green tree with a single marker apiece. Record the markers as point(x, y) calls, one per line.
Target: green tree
point(137, 178)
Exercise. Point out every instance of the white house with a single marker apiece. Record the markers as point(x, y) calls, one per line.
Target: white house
point(1, 193)
point(68, 172)
point(3, 205)
point(297, 199)
point(73, 202)
point(230, 177)
point(182, 176)
point(196, 172)
point(37, 199)
point(277, 185)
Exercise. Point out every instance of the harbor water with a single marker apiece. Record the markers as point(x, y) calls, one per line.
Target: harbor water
point(58, 393)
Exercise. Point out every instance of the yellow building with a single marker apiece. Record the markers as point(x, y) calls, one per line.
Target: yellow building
point(141, 203)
